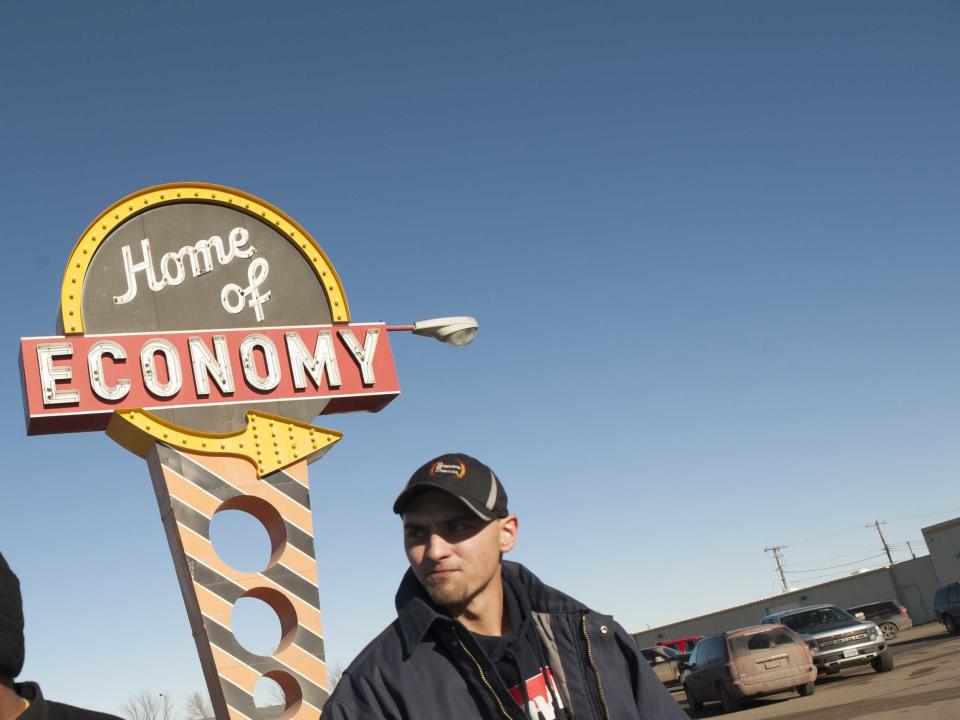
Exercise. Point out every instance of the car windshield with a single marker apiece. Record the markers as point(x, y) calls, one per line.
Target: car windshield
point(817, 617)
point(759, 642)
point(671, 652)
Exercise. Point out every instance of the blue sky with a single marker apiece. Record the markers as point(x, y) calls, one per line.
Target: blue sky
point(713, 249)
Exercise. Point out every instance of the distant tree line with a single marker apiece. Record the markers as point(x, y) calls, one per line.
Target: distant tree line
point(151, 705)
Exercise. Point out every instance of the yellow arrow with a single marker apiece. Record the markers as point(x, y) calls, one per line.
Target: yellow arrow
point(268, 441)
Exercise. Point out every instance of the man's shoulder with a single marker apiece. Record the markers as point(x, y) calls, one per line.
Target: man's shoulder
point(388, 645)
point(543, 598)
point(364, 688)
point(62, 711)
point(40, 707)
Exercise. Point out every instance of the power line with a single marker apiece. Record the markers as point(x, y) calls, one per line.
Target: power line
point(824, 537)
point(831, 567)
point(948, 511)
point(905, 543)
point(833, 575)
point(842, 531)
point(897, 546)
point(834, 557)
point(904, 546)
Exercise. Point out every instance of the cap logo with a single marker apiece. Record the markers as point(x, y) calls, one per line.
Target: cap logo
point(457, 470)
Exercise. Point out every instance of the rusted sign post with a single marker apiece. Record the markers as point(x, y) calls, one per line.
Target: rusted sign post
point(203, 329)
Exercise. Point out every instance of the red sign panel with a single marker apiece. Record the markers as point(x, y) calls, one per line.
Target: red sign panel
point(76, 383)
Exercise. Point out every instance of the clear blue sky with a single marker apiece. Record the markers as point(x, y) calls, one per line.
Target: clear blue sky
point(714, 249)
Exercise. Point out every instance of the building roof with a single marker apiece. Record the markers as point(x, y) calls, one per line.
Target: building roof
point(945, 525)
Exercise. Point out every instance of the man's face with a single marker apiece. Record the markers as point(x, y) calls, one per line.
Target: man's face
point(454, 554)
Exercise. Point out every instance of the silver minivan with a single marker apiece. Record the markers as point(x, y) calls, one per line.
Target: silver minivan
point(751, 661)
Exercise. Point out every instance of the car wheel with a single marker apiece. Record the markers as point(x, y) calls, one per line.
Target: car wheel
point(807, 689)
point(883, 662)
point(728, 701)
point(692, 701)
point(950, 624)
point(889, 630)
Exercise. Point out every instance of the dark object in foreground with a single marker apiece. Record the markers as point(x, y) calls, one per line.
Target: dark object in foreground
point(946, 607)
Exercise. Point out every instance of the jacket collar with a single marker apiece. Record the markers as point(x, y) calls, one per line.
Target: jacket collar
point(416, 613)
point(30, 692)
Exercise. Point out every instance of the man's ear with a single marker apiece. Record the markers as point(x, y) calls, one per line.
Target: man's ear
point(509, 528)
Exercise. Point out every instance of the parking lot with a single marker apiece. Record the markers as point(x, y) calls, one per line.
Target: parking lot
point(924, 685)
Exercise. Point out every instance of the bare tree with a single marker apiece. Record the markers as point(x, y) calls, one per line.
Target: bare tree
point(198, 707)
point(275, 695)
point(275, 700)
point(148, 705)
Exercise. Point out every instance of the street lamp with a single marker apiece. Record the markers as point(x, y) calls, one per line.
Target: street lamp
point(457, 331)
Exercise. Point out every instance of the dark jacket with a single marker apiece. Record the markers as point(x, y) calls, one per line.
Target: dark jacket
point(426, 666)
point(41, 709)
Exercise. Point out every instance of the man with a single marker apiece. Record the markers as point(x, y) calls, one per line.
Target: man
point(24, 701)
point(479, 637)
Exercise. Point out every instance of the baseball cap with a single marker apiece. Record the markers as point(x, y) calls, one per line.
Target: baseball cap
point(464, 477)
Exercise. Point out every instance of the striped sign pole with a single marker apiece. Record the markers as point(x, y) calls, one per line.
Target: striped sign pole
point(190, 490)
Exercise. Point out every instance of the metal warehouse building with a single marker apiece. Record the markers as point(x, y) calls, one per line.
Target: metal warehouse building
point(911, 583)
point(943, 540)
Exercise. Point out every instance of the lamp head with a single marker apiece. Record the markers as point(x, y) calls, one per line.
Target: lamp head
point(456, 331)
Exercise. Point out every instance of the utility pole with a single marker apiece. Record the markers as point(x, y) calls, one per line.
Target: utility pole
point(876, 524)
point(910, 548)
point(776, 556)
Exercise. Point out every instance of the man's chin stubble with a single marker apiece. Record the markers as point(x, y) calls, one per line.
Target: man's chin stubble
point(445, 594)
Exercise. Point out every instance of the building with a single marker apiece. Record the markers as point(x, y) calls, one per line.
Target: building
point(943, 540)
point(911, 583)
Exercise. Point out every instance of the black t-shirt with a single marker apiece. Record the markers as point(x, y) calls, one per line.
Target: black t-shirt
point(506, 652)
point(521, 664)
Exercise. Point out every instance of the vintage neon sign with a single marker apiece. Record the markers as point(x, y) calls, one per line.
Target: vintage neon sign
point(78, 383)
point(204, 329)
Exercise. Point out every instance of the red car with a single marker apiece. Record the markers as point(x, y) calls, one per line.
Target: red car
point(684, 645)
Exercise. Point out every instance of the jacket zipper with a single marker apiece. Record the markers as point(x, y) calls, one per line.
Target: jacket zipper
point(593, 666)
point(483, 677)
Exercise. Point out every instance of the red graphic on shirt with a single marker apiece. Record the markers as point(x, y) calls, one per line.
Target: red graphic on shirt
point(542, 694)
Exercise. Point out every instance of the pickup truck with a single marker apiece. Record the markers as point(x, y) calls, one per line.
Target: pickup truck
point(836, 638)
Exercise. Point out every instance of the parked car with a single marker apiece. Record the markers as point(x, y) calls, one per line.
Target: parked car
point(683, 645)
point(748, 662)
point(891, 617)
point(676, 654)
point(836, 638)
point(946, 607)
point(665, 663)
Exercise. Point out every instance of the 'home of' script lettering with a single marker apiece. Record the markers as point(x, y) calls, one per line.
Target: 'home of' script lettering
point(172, 269)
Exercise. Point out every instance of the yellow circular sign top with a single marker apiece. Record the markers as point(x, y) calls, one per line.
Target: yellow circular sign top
point(71, 308)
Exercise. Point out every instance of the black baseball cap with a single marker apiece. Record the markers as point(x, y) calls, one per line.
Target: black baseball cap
point(466, 478)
